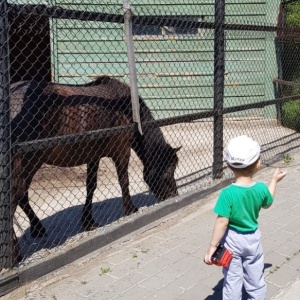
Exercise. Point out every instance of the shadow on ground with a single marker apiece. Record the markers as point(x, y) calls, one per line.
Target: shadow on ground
point(66, 223)
point(217, 295)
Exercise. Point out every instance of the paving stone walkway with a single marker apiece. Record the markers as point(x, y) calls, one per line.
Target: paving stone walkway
point(164, 260)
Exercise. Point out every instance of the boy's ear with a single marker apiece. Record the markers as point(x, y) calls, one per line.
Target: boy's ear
point(258, 163)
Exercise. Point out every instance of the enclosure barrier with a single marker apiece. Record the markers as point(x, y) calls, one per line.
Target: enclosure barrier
point(219, 114)
point(43, 144)
point(6, 235)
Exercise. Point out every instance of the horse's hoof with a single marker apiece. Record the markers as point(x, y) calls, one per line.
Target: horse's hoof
point(90, 226)
point(38, 232)
point(19, 258)
point(131, 210)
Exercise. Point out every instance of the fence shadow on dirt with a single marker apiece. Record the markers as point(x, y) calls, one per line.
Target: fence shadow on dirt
point(64, 227)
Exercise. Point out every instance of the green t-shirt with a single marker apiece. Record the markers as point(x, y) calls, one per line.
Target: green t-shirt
point(241, 205)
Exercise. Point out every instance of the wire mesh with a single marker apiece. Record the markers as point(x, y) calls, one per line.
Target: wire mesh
point(78, 161)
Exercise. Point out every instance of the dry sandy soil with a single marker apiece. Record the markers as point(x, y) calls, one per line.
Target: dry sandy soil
point(58, 194)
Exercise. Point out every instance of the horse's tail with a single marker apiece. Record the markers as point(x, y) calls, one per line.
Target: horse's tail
point(25, 125)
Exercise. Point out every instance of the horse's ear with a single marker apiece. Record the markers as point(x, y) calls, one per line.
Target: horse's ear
point(177, 149)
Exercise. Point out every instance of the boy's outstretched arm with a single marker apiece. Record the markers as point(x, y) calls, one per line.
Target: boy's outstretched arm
point(220, 227)
point(277, 176)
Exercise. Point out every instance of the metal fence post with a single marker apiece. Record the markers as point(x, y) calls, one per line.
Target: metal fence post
point(279, 54)
point(6, 223)
point(219, 70)
point(131, 62)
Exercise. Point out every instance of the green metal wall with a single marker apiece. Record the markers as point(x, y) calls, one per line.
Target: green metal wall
point(175, 72)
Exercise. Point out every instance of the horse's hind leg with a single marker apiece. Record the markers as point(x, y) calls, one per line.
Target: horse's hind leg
point(36, 227)
point(122, 162)
point(87, 220)
point(23, 181)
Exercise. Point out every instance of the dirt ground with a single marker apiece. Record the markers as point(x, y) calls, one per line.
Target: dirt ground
point(58, 194)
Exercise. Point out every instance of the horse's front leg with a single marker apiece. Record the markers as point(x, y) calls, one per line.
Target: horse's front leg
point(122, 163)
point(87, 220)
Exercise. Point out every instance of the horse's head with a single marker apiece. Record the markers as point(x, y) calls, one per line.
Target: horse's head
point(159, 173)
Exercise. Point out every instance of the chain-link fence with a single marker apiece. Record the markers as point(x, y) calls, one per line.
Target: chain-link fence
point(85, 83)
point(288, 44)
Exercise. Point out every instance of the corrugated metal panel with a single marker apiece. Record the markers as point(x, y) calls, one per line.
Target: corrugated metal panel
point(176, 68)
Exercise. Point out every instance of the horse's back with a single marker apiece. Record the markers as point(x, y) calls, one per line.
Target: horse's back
point(103, 87)
point(62, 117)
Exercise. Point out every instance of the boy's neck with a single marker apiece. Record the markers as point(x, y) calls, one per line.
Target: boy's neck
point(244, 180)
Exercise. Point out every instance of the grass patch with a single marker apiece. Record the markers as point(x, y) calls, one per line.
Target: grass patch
point(104, 271)
point(145, 250)
point(287, 158)
point(291, 115)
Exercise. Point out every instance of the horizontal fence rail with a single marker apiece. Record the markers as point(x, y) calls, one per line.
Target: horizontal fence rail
point(102, 133)
point(60, 13)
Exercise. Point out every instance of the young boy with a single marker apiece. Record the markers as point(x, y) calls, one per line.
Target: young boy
point(236, 226)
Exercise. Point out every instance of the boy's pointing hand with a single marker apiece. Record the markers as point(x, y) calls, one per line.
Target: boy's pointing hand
point(279, 174)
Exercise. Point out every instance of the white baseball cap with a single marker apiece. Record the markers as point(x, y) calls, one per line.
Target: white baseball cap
point(242, 152)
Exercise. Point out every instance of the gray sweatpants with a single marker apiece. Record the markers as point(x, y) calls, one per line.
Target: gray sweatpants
point(246, 267)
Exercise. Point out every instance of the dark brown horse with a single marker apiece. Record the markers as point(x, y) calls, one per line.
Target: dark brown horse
point(46, 110)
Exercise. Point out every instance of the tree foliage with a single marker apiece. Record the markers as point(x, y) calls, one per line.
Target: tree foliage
point(291, 67)
point(293, 13)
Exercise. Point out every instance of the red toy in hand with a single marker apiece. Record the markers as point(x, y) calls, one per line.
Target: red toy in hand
point(221, 256)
